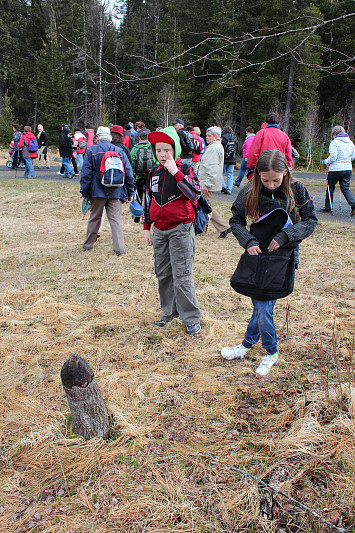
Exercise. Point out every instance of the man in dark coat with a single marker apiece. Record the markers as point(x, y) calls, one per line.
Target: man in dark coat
point(66, 150)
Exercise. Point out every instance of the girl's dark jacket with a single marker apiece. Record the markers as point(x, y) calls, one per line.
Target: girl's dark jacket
point(269, 200)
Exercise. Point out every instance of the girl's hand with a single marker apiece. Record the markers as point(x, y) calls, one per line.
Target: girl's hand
point(148, 237)
point(254, 250)
point(273, 246)
point(170, 164)
point(204, 190)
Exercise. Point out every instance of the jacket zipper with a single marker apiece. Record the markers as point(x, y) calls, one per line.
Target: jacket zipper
point(161, 198)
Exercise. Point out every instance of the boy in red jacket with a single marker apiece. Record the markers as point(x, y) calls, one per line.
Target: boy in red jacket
point(171, 190)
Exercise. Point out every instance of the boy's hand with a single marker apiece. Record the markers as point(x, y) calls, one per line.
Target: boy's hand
point(148, 237)
point(204, 190)
point(129, 199)
point(273, 246)
point(170, 164)
point(254, 250)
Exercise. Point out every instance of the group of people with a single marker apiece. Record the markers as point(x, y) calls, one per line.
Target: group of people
point(72, 149)
point(169, 169)
point(25, 148)
point(170, 195)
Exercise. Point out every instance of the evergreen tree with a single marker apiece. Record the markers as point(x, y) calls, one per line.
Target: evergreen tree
point(6, 122)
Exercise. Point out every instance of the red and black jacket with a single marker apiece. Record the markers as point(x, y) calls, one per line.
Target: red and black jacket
point(169, 200)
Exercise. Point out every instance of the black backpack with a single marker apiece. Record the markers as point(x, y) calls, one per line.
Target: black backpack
point(192, 143)
point(230, 151)
point(144, 161)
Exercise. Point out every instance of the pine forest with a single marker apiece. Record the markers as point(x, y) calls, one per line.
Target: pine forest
point(224, 62)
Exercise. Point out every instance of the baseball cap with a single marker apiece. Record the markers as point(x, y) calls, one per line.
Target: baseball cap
point(178, 121)
point(155, 137)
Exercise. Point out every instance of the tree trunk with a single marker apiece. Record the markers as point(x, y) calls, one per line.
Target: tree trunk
point(289, 95)
point(88, 412)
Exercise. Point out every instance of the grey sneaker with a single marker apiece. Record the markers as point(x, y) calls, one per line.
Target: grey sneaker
point(267, 362)
point(234, 352)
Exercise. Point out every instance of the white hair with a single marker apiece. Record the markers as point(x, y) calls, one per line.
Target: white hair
point(104, 137)
point(216, 131)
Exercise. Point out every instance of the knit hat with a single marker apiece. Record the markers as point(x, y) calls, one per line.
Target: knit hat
point(117, 129)
point(102, 131)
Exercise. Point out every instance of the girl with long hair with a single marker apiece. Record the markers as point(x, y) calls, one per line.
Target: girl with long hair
point(271, 188)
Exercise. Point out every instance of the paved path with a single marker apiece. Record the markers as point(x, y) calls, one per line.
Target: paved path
point(316, 185)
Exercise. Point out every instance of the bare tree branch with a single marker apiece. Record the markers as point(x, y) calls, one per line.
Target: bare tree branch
point(230, 50)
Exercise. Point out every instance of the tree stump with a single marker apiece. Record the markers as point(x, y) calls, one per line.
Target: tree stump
point(88, 412)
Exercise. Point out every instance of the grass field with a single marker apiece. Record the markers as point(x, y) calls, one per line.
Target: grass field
point(182, 418)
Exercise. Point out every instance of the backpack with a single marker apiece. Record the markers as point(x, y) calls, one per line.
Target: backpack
point(192, 143)
point(144, 161)
point(82, 143)
point(112, 171)
point(230, 151)
point(33, 145)
point(202, 210)
point(16, 136)
point(202, 146)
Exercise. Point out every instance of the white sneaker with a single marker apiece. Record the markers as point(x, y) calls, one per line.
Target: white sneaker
point(266, 363)
point(234, 352)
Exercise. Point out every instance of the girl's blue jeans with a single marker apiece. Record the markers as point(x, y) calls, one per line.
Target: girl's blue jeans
point(262, 325)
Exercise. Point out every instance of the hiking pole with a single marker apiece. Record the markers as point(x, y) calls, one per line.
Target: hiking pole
point(330, 200)
point(328, 190)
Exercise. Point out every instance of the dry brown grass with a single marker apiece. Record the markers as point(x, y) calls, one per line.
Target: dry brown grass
point(180, 414)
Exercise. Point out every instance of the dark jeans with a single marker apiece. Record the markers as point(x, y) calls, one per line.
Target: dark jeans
point(343, 177)
point(242, 171)
point(141, 186)
point(17, 158)
point(75, 166)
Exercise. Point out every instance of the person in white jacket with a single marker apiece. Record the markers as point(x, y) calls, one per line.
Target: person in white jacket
point(210, 173)
point(341, 153)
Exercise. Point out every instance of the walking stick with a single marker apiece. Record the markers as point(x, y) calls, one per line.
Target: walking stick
point(328, 190)
point(330, 200)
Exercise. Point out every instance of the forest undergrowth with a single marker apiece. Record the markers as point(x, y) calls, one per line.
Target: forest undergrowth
point(191, 434)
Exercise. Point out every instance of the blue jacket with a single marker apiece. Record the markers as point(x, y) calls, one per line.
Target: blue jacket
point(90, 184)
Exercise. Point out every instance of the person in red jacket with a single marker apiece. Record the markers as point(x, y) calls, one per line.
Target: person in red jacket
point(90, 136)
point(26, 154)
point(270, 138)
point(171, 194)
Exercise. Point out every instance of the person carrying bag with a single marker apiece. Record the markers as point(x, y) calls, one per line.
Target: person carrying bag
point(284, 215)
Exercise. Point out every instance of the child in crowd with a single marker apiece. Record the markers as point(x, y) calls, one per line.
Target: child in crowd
point(171, 190)
point(271, 188)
